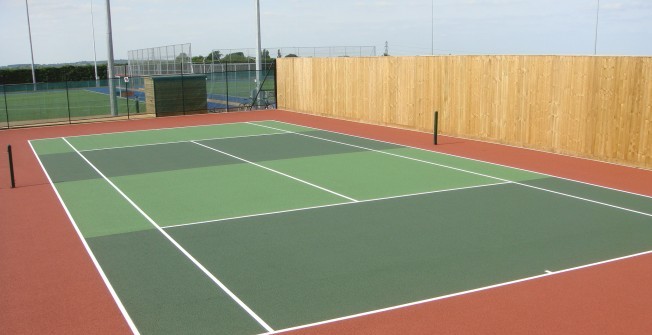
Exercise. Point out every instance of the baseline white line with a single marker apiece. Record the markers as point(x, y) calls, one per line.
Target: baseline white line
point(180, 141)
point(420, 302)
point(177, 245)
point(474, 159)
point(467, 171)
point(332, 205)
point(105, 279)
point(152, 130)
point(278, 172)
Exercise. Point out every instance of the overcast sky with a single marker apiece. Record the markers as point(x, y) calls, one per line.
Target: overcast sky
point(62, 29)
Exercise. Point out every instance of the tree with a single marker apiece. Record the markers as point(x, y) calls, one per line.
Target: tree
point(198, 59)
point(214, 57)
point(291, 55)
point(183, 57)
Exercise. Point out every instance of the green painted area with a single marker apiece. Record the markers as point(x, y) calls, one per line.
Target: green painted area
point(155, 158)
point(163, 291)
point(306, 266)
point(302, 267)
point(99, 210)
point(285, 126)
point(348, 170)
point(211, 193)
point(487, 169)
point(166, 135)
point(50, 146)
point(370, 175)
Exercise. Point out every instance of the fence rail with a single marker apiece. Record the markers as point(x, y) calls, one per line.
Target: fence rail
point(593, 107)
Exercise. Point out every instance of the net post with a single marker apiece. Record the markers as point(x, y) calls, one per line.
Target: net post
point(435, 127)
point(11, 166)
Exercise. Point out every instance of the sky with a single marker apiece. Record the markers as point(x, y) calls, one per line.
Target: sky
point(62, 30)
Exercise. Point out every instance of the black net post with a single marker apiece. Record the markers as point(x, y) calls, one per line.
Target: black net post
point(11, 167)
point(435, 127)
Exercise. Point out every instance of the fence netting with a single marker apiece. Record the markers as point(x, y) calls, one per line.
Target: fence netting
point(229, 87)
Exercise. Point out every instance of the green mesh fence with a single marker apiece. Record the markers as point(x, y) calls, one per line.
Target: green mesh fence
point(69, 102)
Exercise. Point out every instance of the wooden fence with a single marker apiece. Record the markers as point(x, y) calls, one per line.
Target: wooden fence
point(593, 107)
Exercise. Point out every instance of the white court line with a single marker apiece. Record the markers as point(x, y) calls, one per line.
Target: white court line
point(332, 205)
point(151, 130)
point(180, 141)
point(463, 170)
point(117, 300)
point(420, 302)
point(278, 172)
point(473, 159)
point(176, 244)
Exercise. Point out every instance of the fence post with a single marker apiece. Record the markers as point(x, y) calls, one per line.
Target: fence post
point(275, 86)
point(127, 95)
point(4, 92)
point(68, 102)
point(11, 167)
point(226, 77)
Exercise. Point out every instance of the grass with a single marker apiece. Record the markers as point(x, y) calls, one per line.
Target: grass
point(61, 104)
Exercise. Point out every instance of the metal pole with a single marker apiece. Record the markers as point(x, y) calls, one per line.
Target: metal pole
point(436, 127)
point(109, 65)
point(11, 167)
point(597, 20)
point(432, 28)
point(31, 48)
point(258, 48)
point(97, 78)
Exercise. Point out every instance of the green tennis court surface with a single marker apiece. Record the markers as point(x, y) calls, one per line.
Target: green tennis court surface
point(252, 227)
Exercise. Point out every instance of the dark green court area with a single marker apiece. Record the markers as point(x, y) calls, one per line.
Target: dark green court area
point(302, 225)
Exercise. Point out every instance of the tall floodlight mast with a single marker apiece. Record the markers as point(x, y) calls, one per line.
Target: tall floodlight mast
point(109, 66)
point(97, 78)
point(258, 49)
point(31, 49)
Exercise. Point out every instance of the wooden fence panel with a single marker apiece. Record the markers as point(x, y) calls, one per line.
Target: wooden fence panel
point(594, 107)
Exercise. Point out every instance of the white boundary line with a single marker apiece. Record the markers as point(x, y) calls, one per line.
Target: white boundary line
point(332, 205)
point(473, 159)
point(180, 141)
point(420, 302)
point(147, 130)
point(176, 244)
point(467, 171)
point(277, 172)
point(117, 300)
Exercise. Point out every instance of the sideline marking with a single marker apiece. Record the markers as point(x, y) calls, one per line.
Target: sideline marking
point(420, 302)
point(176, 244)
point(275, 171)
point(333, 205)
point(463, 170)
point(117, 300)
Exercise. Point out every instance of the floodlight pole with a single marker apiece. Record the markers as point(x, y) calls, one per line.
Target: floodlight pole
point(31, 49)
point(109, 66)
point(258, 48)
point(97, 78)
point(597, 20)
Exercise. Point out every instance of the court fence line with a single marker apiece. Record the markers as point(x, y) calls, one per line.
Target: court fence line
point(229, 88)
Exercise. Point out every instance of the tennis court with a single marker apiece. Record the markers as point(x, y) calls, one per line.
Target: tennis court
point(257, 227)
